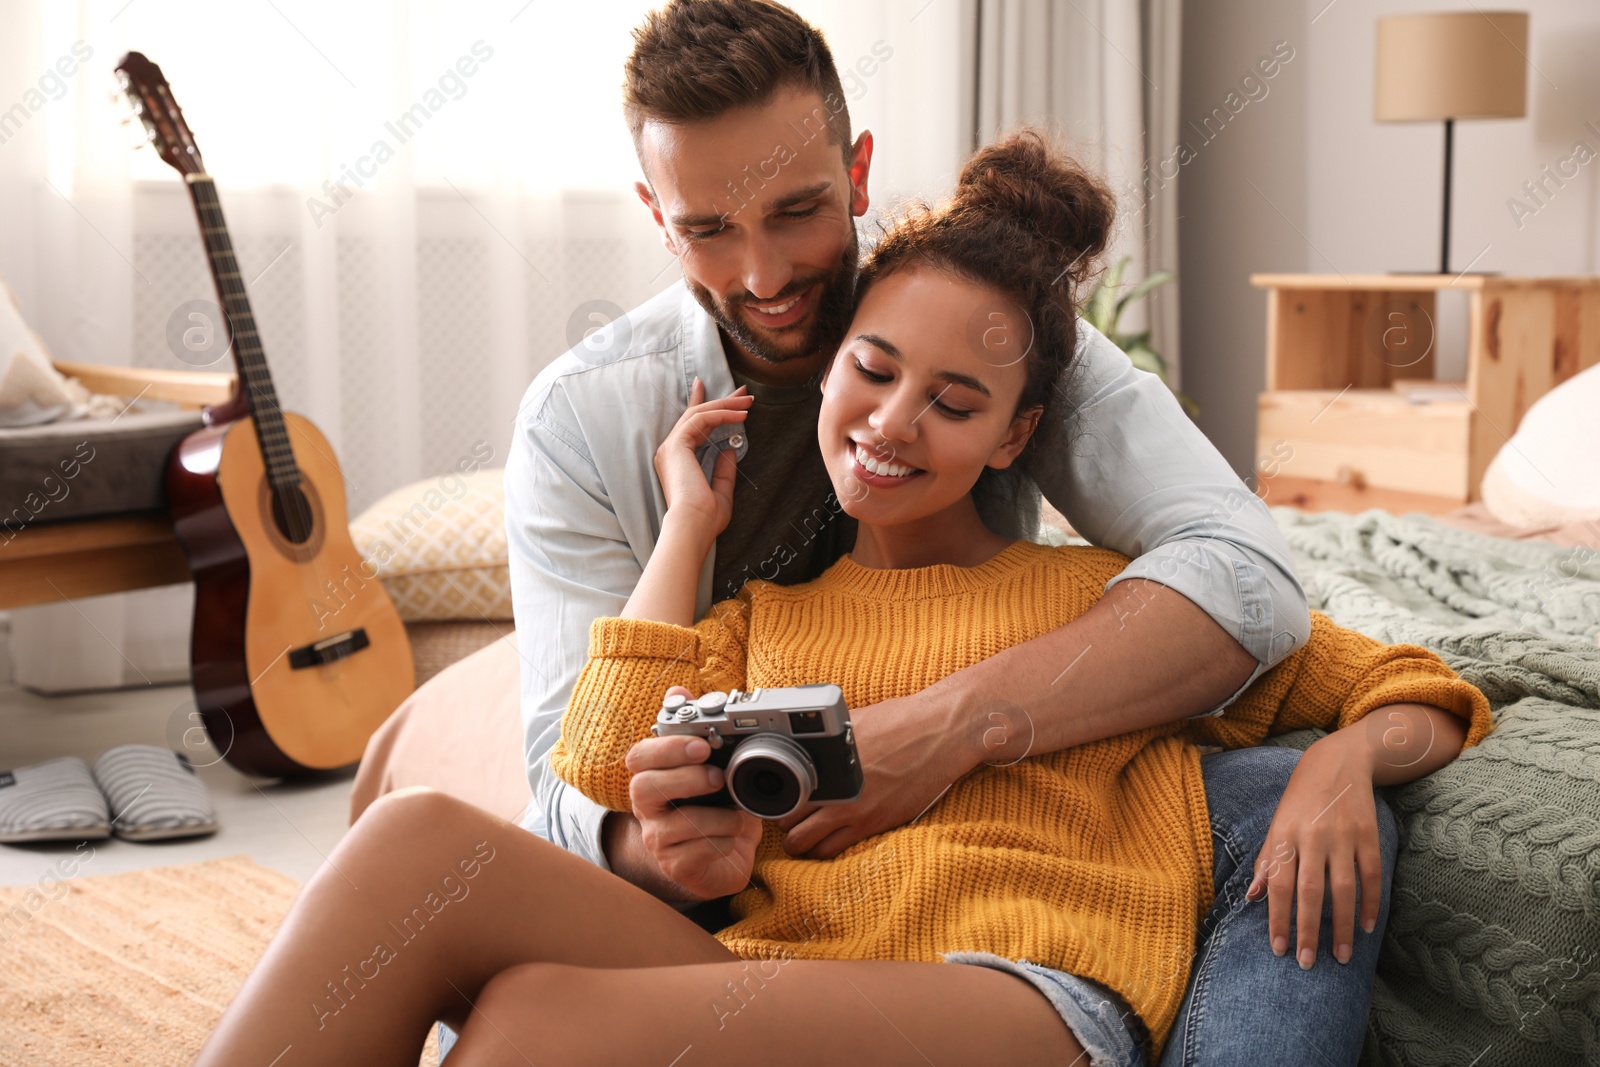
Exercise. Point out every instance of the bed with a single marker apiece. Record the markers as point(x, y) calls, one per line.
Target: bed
point(1492, 954)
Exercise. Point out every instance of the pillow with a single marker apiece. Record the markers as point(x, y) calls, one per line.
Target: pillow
point(31, 389)
point(1546, 475)
point(439, 546)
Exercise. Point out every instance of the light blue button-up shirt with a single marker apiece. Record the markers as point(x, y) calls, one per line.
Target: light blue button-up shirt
point(584, 508)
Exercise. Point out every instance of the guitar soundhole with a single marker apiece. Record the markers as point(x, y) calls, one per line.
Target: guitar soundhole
point(292, 519)
point(291, 514)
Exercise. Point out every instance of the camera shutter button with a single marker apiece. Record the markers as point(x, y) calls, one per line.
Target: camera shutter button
point(687, 713)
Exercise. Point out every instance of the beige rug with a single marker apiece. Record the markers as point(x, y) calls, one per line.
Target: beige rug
point(131, 969)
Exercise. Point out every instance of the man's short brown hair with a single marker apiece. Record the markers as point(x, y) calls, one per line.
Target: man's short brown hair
point(694, 60)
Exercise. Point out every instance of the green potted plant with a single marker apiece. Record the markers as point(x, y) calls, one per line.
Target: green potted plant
point(1104, 307)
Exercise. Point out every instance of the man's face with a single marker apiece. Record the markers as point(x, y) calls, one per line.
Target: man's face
point(760, 209)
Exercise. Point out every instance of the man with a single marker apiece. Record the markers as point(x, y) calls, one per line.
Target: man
point(754, 182)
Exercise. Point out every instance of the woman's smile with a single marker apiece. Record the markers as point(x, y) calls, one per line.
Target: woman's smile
point(871, 470)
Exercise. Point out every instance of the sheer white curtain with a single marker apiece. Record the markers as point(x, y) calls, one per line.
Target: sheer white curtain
point(430, 200)
point(1105, 74)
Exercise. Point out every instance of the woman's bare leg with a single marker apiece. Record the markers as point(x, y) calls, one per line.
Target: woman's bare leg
point(424, 901)
point(773, 1013)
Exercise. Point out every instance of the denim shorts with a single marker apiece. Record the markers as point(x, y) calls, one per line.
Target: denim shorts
point(1110, 1033)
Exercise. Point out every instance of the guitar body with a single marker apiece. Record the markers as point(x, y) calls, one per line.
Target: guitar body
point(298, 653)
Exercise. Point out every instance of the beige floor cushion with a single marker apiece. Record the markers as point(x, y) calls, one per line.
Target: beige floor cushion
point(439, 546)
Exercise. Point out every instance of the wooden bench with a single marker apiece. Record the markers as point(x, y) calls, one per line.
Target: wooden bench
point(47, 562)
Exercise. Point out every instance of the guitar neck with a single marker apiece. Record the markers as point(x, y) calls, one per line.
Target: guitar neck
point(255, 380)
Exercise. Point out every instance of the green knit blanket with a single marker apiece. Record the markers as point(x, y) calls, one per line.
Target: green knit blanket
point(1492, 952)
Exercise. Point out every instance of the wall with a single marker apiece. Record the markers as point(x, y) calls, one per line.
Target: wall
point(1241, 199)
point(1374, 190)
point(1348, 195)
point(904, 70)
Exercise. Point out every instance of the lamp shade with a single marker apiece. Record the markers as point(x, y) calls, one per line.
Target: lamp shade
point(1452, 65)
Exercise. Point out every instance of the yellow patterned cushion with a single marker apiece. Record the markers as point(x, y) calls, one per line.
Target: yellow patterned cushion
point(439, 546)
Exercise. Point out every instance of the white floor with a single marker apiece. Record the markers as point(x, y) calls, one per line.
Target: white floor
point(289, 827)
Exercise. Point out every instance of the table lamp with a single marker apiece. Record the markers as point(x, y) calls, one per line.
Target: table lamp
point(1451, 65)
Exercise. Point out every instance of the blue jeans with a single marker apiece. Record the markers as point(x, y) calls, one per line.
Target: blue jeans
point(1244, 1005)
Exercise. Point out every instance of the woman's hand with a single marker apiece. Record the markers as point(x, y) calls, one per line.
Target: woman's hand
point(1325, 831)
point(706, 506)
point(708, 852)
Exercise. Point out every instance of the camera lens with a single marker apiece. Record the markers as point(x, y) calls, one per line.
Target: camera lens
point(769, 776)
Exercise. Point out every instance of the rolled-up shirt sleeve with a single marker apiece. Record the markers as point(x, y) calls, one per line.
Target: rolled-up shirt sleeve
point(570, 564)
point(1132, 472)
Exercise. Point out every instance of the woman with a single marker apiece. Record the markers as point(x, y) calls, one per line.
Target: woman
point(1091, 863)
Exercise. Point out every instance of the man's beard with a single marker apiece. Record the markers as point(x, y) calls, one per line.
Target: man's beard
point(829, 320)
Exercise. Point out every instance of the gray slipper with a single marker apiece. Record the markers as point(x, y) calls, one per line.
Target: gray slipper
point(154, 793)
point(52, 801)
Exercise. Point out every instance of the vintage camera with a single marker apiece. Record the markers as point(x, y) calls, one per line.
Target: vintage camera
point(778, 748)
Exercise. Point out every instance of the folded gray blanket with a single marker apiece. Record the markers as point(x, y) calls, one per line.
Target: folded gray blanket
point(1492, 952)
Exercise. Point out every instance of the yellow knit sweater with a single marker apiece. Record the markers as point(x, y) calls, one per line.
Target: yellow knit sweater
point(1095, 860)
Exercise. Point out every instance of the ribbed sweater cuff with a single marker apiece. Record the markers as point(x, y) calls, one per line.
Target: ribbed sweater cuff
point(1457, 696)
point(644, 639)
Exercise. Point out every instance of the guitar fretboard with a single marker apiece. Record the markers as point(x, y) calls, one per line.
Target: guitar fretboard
point(255, 380)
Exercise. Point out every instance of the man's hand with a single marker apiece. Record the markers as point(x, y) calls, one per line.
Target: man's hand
point(707, 852)
point(907, 765)
point(1084, 681)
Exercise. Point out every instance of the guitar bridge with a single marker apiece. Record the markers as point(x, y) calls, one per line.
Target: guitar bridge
point(329, 649)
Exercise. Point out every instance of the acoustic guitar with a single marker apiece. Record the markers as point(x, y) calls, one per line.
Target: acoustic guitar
point(298, 653)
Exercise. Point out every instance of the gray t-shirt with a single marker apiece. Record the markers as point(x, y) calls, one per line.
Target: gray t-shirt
point(787, 525)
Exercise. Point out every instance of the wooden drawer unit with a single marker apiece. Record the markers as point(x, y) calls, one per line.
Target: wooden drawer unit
point(1368, 437)
point(1352, 417)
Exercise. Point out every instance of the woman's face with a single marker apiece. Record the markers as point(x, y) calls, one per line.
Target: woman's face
point(925, 384)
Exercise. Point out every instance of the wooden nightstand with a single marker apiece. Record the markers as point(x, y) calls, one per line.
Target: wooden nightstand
point(1352, 417)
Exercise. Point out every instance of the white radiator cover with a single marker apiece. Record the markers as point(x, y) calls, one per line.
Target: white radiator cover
point(103, 642)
